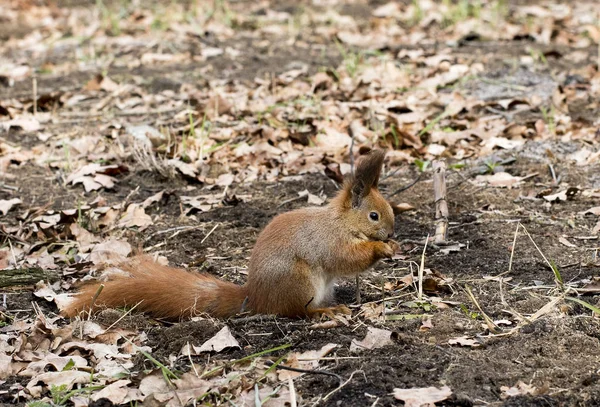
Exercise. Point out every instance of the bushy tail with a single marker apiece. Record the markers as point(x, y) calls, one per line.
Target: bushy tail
point(163, 292)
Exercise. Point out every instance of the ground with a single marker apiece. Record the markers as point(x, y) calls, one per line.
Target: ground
point(256, 108)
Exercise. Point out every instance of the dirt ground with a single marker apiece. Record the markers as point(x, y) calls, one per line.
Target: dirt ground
point(556, 352)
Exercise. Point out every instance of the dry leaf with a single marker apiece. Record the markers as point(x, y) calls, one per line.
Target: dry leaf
point(6, 205)
point(184, 168)
point(402, 207)
point(500, 179)
point(594, 211)
point(426, 324)
point(153, 199)
point(422, 397)
point(307, 360)
point(562, 195)
point(520, 389)
point(464, 341)
point(315, 200)
point(115, 392)
point(27, 123)
point(222, 340)
point(375, 338)
point(564, 241)
point(135, 216)
point(110, 252)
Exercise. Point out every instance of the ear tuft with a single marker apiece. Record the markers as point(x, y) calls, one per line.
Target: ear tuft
point(366, 175)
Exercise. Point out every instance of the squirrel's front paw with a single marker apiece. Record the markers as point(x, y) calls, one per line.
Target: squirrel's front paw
point(388, 249)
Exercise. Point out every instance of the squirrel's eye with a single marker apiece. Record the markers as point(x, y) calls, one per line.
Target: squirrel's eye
point(374, 216)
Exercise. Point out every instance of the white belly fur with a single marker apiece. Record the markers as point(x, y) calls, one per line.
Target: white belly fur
point(323, 290)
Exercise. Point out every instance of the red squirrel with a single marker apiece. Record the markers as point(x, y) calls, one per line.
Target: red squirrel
point(293, 266)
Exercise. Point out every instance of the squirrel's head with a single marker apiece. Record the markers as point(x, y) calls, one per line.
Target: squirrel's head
point(369, 214)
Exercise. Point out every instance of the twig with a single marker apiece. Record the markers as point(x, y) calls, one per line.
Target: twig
point(342, 385)
point(209, 233)
point(293, 401)
point(291, 200)
point(421, 269)
point(297, 370)
point(177, 229)
point(9, 187)
point(404, 188)
point(553, 173)
point(493, 328)
point(192, 362)
point(441, 206)
point(123, 208)
point(34, 86)
point(122, 316)
point(94, 298)
point(512, 252)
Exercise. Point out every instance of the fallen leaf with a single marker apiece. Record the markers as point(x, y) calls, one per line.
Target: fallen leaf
point(564, 241)
point(115, 392)
point(27, 123)
point(153, 383)
point(564, 195)
point(186, 169)
point(464, 341)
point(135, 216)
point(6, 205)
point(225, 180)
point(332, 323)
point(422, 397)
point(520, 389)
point(375, 338)
point(222, 340)
point(147, 135)
point(500, 179)
point(110, 252)
point(85, 239)
point(426, 324)
point(67, 378)
point(402, 207)
point(594, 211)
point(315, 200)
point(307, 360)
point(153, 199)
point(372, 311)
point(592, 287)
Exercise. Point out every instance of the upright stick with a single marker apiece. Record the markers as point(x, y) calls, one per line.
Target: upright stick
point(441, 206)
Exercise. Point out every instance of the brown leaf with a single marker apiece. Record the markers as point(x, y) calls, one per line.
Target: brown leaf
point(115, 392)
point(307, 360)
point(110, 252)
point(85, 239)
point(135, 216)
point(401, 207)
point(153, 199)
point(422, 397)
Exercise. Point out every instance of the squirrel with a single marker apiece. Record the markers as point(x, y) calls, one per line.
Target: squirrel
point(292, 270)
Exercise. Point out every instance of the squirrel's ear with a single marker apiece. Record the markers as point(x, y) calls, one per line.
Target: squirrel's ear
point(366, 176)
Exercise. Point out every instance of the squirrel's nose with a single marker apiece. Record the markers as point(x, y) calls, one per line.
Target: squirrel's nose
point(390, 234)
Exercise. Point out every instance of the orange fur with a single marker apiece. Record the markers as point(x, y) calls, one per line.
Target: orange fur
point(165, 292)
point(292, 269)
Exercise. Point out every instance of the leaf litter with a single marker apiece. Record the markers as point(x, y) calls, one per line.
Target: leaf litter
point(241, 138)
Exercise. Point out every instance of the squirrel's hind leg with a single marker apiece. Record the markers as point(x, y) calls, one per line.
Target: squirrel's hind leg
point(329, 311)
